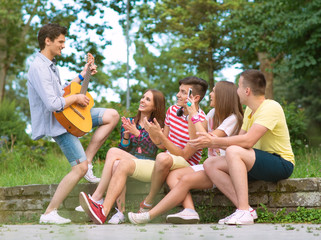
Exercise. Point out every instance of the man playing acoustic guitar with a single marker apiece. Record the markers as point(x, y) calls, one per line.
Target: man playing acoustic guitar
point(45, 93)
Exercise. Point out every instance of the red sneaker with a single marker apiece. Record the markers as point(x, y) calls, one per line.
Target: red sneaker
point(93, 210)
point(144, 208)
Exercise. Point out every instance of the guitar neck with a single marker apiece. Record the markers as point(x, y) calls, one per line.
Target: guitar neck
point(84, 85)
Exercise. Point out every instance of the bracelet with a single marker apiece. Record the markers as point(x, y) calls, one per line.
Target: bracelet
point(123, 144)
point(196, 119)
point(126, 138)
point(81, 77)
point(158, 143)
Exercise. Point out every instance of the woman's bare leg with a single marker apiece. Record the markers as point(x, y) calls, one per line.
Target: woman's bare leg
point(193, 180)
point(113, 155)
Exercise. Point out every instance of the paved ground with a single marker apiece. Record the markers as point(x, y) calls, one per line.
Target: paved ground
point(161, 231)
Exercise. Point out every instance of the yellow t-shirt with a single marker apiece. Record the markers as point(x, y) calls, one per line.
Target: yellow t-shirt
point(277, 139)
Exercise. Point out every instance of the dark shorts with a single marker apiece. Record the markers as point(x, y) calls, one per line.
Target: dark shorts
point(269, 167)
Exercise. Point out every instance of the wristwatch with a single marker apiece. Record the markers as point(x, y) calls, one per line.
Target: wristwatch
point(195, 119)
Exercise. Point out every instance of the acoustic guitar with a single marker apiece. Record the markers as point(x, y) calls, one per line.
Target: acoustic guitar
point(75, 118)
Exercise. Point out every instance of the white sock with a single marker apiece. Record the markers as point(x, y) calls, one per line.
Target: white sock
point(190, 210)
point(147, 204)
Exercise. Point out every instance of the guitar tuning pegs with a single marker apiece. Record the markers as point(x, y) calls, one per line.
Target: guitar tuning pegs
point(90, 57)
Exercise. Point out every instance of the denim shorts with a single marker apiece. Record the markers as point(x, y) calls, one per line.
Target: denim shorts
point(269, 167)
point(71, 146)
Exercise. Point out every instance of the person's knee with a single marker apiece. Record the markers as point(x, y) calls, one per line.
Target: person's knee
point(232, 151)
point(171, 181)
point(112, 115)
point(115, 115)
point(212, 164)
point(115, 165)
point(208, 163)
point(81, 169)
point(163, 162)
point(112, 152)
point(185, 180)
point(125, 167)
point(173, 178)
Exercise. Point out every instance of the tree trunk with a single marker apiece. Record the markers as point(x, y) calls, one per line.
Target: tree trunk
point(2, 81)
point(210, 71)
point(6, 57)
point(267, 69)
point(3, 70)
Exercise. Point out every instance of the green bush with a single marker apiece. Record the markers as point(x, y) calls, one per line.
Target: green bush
point(32, 155)
point(12, 127)
point(297, 124)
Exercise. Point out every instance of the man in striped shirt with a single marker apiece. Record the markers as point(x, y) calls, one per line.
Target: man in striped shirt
point(174, 137)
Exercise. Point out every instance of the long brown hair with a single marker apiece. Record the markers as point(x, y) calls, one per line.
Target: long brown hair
point(159, 104)
point(227, 102)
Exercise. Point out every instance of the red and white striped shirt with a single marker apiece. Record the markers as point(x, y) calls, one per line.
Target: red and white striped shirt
point(178, 131)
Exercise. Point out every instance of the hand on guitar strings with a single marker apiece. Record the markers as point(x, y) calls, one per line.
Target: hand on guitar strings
point(82, 100)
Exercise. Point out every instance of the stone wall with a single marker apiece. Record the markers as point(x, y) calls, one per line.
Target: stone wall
point(26, 203)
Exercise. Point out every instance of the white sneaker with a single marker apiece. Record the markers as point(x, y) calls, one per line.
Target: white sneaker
point(253, 213)
point(80, 209)
point(224, 220)
point(117, 218)
point(138, 218)
point(187, 216)
point(53, 218)
point(240, 217)
point(90, 177)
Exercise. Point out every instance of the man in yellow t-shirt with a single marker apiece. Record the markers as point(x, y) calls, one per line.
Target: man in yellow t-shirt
point(261, 151)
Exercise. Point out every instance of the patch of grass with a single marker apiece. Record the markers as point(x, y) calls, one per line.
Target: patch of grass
point(21, 172)
point(289, 227)
point(46, 164)
point(20, 169)
point(307, 163)
point(301, 215)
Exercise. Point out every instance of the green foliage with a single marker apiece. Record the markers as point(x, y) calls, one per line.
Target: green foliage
point(307, 162)
point(35, 164)
point(290, 34)
point(20, 22)
point(34, 156)
point(12, 127)
point(191, 32)
point(297, 124)
point(159, 71)
point(301, 215)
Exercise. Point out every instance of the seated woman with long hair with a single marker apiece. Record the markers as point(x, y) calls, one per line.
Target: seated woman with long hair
point(225, 119)
point(135, 144)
